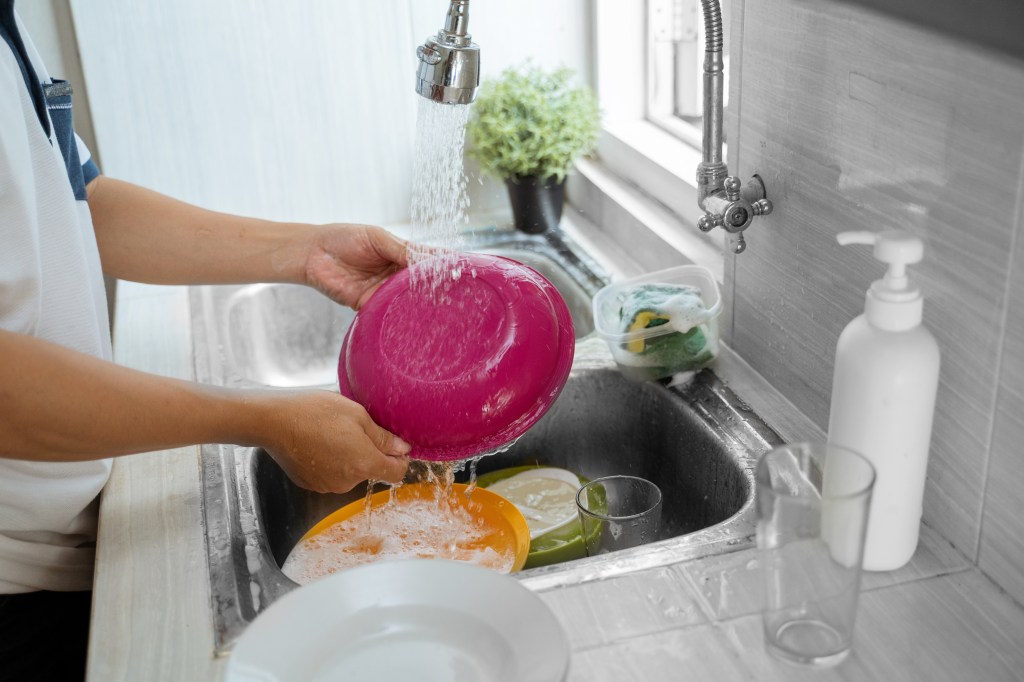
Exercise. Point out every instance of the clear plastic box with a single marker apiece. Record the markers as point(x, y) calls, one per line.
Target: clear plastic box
point(652, 352)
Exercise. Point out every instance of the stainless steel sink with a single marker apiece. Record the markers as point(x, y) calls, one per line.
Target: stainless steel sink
point(286, 335)
point(697, 440)
point(575, 277)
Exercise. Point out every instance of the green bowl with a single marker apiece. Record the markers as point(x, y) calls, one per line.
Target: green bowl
point(555, 546)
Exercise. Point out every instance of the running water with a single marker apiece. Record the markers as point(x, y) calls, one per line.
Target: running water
point(366, 500)
point(419, 528)
point(439, 197)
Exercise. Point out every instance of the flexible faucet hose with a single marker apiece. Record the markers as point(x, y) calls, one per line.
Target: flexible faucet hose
point(714, 96)
point(712, 25)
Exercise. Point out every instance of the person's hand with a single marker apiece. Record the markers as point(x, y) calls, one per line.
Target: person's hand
point(349, 262)
point(328, 443)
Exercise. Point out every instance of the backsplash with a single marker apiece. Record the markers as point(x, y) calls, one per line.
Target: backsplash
point(859, 121)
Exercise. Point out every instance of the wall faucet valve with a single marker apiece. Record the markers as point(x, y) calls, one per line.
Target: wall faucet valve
point(726, 202)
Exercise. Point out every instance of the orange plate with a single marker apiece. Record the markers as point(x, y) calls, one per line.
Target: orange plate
point(508, 529)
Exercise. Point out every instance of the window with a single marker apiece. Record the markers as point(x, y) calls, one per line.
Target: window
point(675, 65)
point(649, 64)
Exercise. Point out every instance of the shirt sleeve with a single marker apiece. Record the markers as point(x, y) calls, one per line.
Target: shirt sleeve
point(89, 168)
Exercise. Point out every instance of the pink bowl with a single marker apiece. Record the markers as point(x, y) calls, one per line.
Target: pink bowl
point(466, 372)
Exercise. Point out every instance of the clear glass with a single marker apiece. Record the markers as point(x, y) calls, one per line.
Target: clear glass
point(812, 503)
point(618, 512)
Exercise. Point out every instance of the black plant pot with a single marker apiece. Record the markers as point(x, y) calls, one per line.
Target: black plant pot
point(536, 203)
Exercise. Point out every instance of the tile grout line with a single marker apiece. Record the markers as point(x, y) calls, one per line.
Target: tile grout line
point(736, 46)
point(921, 578)
point(1017, 226)
point(653, 633)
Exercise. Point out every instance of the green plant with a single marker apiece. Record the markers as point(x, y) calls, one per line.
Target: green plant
point(531, 122)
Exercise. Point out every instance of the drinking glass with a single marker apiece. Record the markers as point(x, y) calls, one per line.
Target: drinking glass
point(618, 512)
point(812, 503)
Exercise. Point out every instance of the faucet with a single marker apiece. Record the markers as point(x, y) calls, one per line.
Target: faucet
point(726, 203)
point(449, 63)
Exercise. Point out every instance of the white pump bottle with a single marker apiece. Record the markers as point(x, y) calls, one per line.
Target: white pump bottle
point(883, 397)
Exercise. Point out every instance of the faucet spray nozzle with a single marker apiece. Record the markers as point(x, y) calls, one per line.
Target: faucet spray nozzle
point(449, 63)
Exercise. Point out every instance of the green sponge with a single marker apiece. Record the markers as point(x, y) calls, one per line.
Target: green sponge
point(646, 306)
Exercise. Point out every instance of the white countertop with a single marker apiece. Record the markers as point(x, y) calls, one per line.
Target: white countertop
point(939, 618)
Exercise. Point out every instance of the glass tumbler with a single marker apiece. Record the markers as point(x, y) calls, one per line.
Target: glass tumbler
point(812, 504)
point(618, 512)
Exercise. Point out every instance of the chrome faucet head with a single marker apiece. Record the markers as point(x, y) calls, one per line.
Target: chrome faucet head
point(449, 63)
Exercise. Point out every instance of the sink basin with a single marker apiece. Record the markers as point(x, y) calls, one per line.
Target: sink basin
point(697, 440)
point(285, 335)
point(658, 436)
point(701, 464)
point(288, 336)
point(577, 277)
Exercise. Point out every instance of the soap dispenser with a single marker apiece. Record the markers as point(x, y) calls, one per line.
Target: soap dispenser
point(883, 397)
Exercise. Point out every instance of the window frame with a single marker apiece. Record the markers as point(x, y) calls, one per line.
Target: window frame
point(656, 153)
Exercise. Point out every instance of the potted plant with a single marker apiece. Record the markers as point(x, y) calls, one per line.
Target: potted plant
point(527, 127)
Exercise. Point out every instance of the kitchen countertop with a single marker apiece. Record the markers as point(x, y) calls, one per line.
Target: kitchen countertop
point(938, 618)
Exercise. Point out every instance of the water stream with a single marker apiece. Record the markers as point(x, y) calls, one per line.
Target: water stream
point(417, 528)
point(439, 197)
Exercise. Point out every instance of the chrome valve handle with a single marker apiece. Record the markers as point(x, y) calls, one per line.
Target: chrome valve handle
point(762, 207)
point(731, 206)
point(732, 188)
point(726, 202)
point(708, 222)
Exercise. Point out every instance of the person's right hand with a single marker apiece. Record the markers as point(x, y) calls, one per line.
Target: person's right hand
point(328, 443)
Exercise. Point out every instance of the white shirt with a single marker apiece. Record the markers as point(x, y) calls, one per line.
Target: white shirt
point(51, 287)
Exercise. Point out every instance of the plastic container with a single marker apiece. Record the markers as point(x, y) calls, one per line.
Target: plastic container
point(644, 354)
point(463, 372)
point(883, 397)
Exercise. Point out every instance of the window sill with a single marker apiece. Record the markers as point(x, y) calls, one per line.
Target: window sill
point(641, 194)
point(646, 233)
point(664, 166)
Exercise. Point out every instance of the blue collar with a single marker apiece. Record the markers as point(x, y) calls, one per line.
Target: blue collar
point(10, 34)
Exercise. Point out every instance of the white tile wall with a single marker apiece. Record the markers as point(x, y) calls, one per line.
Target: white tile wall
point(858, 121)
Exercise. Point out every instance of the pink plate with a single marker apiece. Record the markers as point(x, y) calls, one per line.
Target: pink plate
point(465, 372)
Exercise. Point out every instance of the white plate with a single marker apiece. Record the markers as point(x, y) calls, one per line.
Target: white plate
point(545, 472)
point(405, 621)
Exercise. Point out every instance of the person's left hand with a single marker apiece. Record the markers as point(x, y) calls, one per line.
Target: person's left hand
point(349, 262)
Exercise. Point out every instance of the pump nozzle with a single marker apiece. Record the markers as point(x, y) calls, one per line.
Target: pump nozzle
point(891, 302)
point(896, 248)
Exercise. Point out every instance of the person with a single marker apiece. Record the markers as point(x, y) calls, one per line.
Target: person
point(65, 408)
